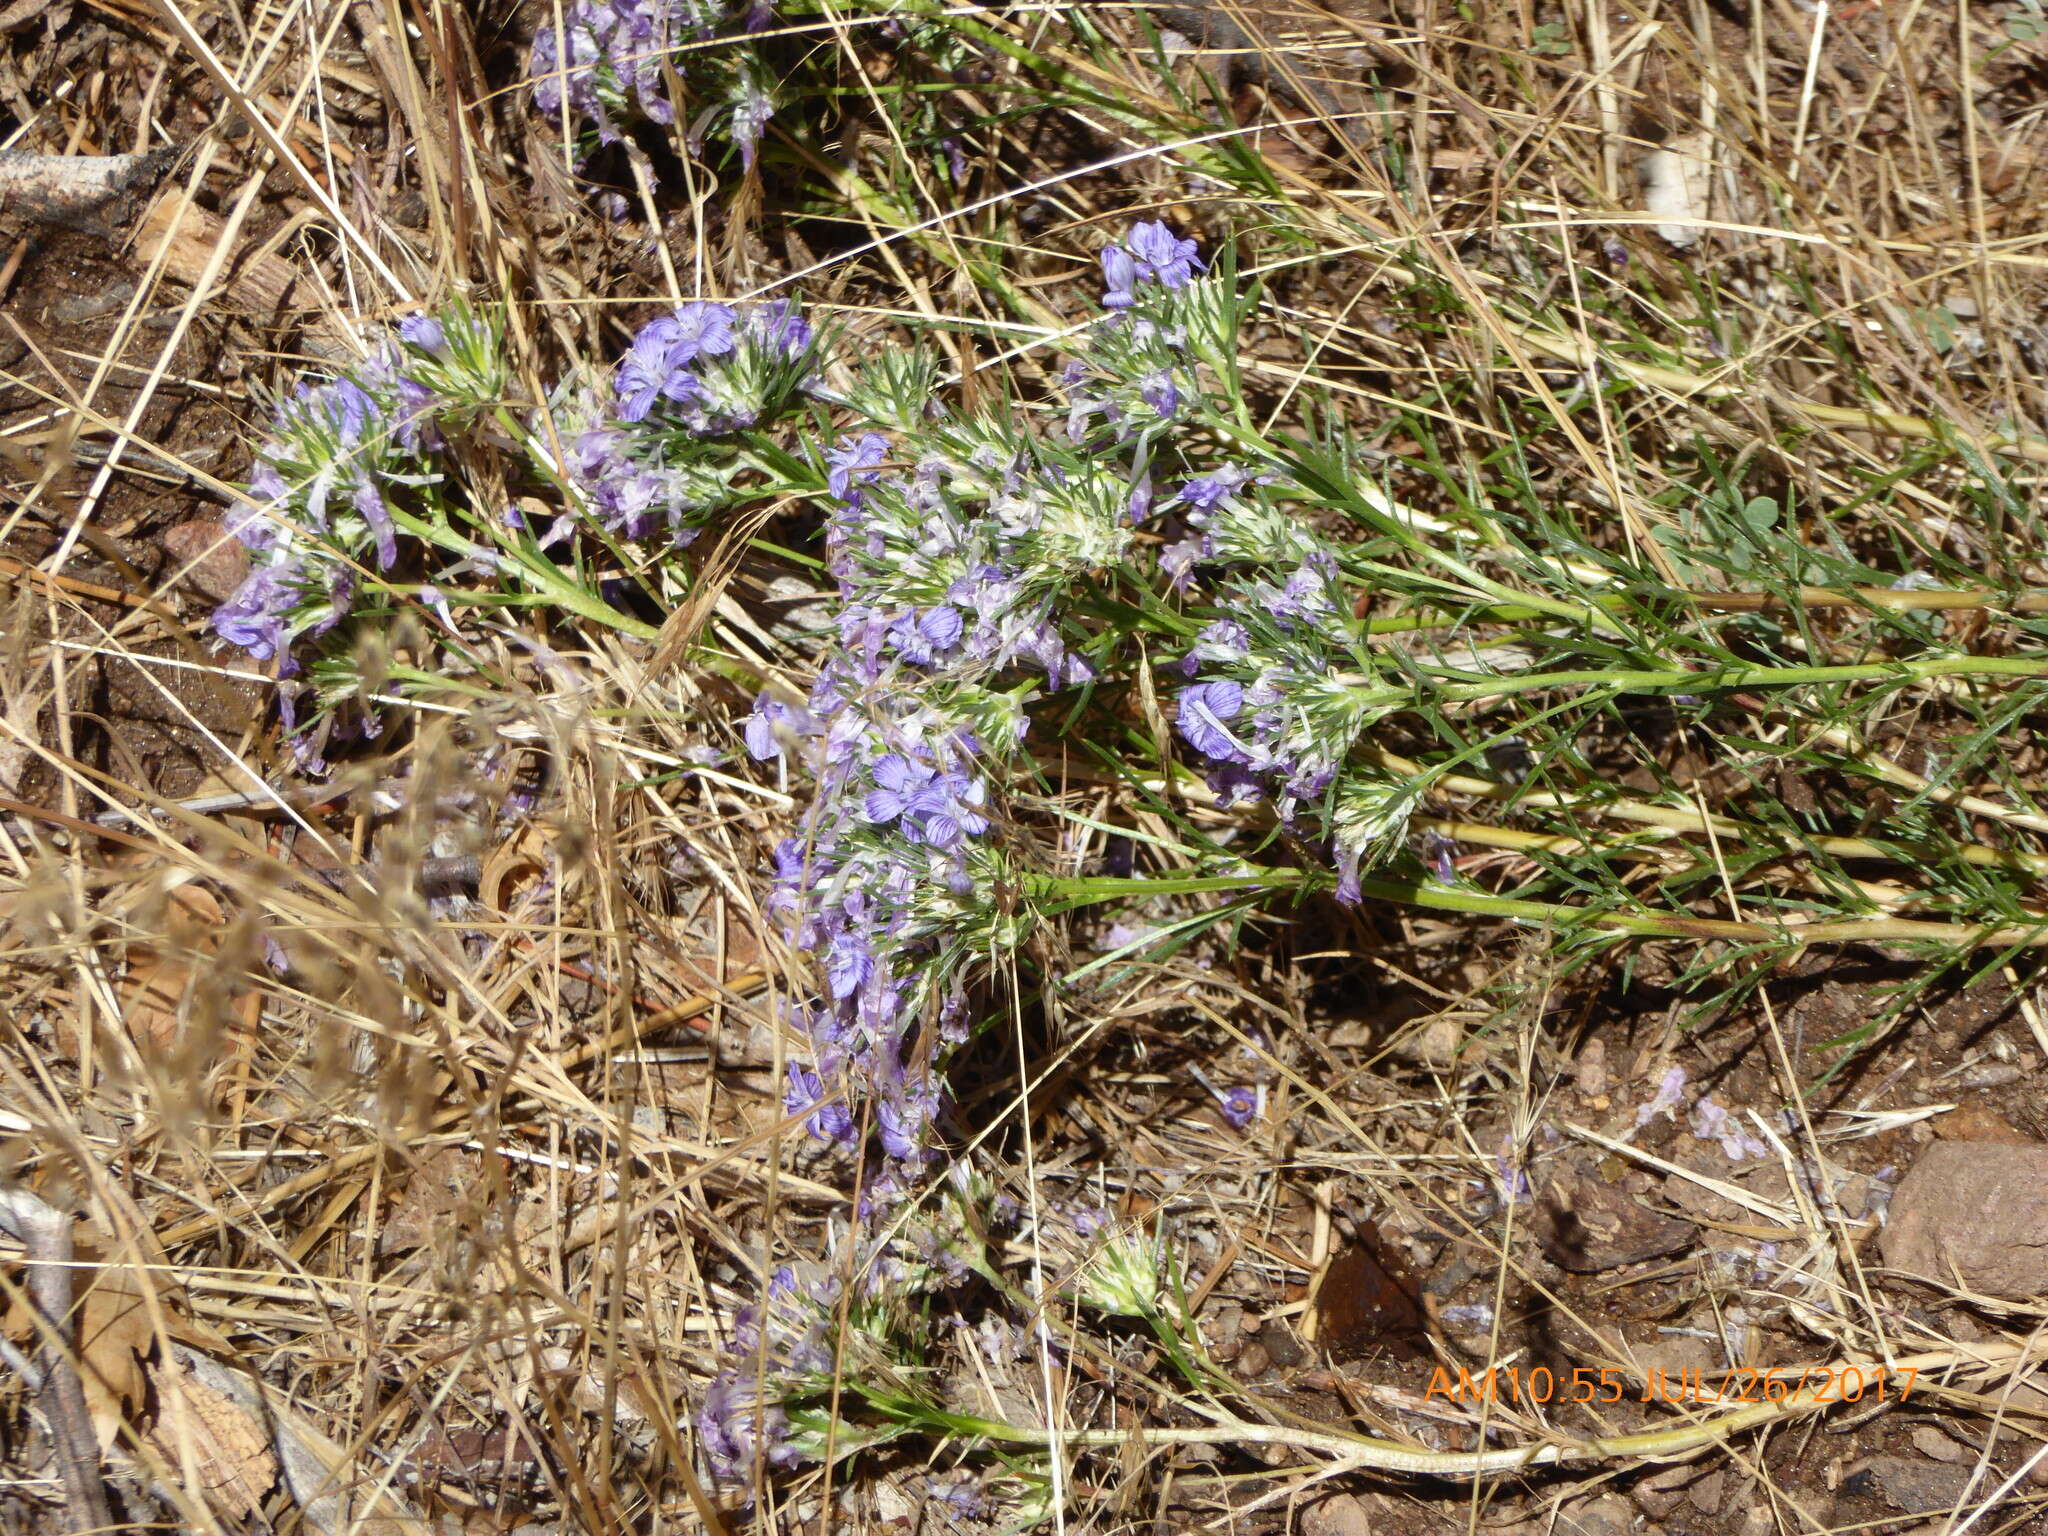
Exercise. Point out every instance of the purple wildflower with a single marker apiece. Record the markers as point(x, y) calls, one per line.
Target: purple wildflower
point(1158, 390)
point(1205, 493)
point(1669, 1091)
point(1125, 936)
point(789, 860)
point(1349, 892)
point(348, 409)
point(1138, 506)
point(1233, 783)
point(827, 1119)
point(1162, 256)
point(341, 598)
point(734, 1428)
point(250, 524)
point(414, 429)
point(569, 74)
point(960, 813)
point(849, 965)
point(769, 713)
point(1306, 595)
point(1224, 640)
point(750, 117)
point(963, 1500)
point(424, 332)
point(1203, 709)
point(780, 329)
point(902, 1130)
point(903, 789)
point(1710, 1122)
point(1119, 278)
point(1441, 852)
point(655, 367)
point(853, 461)
point(1239, 1104)
point(369, 505)
point(702, 329)
point(1087, 1220)
point(254, 617)
point(265, 481)
point(919, 638)
point(1514, 1183)
point(543, 68)
point(1151, 253)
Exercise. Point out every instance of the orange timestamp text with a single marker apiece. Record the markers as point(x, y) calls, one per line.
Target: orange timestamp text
point(1743, 1384)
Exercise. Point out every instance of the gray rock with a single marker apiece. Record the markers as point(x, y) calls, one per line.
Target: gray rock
point(1974, 1212)
point(1921, 1487)
point(1586, 1224)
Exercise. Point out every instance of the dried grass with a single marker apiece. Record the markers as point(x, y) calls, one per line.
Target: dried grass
point(474, 1189)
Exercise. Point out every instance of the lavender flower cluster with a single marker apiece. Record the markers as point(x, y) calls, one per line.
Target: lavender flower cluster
point(1280, 700)
point(982, 564)
point(612, 62)
point(1143, 360)
point(959, 544)
point(791, 1329)
point(955, 565)
point(635, 453)
point(359, 465)
point(805, 1339)
point(340, 455)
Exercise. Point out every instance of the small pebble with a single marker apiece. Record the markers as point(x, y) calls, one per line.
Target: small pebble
point(1589, 1072)
point(1663, 1490)
point(1341, 1514)
point(1988, 1074)
point(1931, 1442)
point(1705, 1495)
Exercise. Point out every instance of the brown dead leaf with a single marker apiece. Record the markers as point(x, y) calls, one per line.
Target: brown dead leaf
point(323, 1478)
point(230, 1453)
point(213, 561)
point(512, 868)
point(471, 1455)
point(152, 998)
point(196, 916)
point(115, 1339)
point(113, 1336)
point(432, 1197)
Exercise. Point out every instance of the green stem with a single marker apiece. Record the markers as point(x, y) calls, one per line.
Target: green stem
point(1875, 599)
point(548, 581)
point(1389, 1456)
point(1326, 481)
point(1060, 894)
point(1715, 679)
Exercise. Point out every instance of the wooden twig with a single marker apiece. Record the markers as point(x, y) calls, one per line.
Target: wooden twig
point(185, 236)
point(45, 1233)
point(78, 189)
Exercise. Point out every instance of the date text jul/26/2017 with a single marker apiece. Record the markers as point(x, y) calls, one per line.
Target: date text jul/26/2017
point(1743, 1384)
